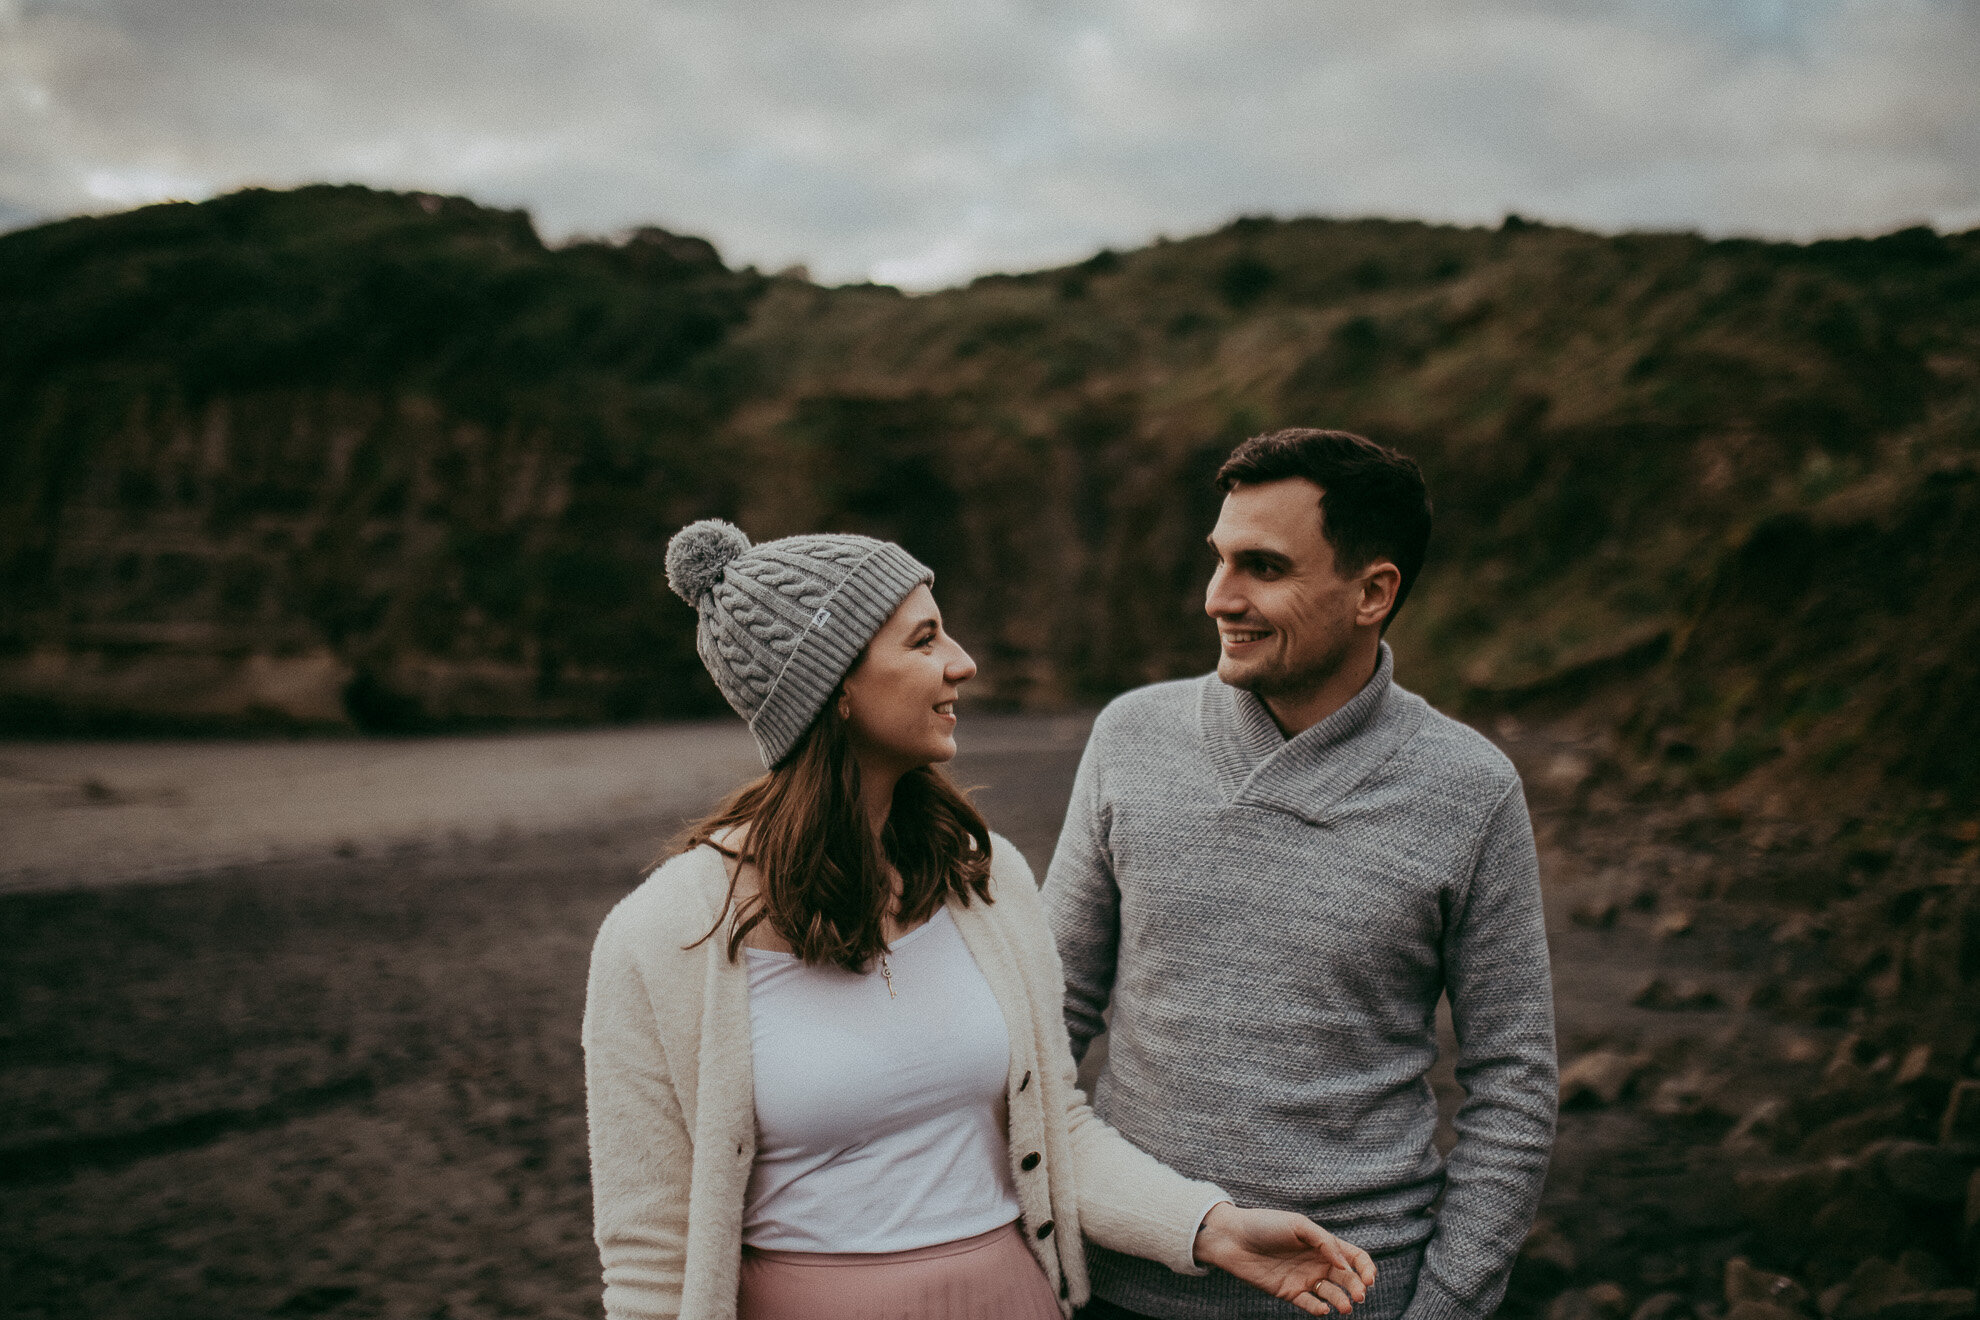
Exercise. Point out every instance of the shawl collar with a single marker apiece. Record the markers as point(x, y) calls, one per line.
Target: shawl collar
point(1304, 776)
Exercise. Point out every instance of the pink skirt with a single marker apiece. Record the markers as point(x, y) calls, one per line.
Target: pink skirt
point(992, 1276)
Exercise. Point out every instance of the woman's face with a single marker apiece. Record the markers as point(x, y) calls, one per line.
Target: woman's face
point(899, 700)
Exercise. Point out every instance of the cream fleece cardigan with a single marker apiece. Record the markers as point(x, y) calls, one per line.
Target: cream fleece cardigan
point(673, 1119)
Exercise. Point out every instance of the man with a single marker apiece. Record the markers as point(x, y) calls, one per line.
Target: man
point(1273, 873)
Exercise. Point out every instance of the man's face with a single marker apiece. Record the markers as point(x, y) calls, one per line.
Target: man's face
point(1285, 616)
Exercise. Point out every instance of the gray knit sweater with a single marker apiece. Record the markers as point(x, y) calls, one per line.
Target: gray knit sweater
point(1273, 922)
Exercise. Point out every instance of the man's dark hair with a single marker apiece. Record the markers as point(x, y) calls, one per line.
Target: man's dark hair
point(1373, 503)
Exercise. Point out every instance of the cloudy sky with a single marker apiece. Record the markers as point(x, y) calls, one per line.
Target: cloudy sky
point(924, 142)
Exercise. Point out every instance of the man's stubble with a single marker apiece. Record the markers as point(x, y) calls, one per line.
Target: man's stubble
point(1283, 682)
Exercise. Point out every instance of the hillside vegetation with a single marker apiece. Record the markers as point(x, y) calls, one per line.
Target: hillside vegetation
point(340, 457)
point(344, 458)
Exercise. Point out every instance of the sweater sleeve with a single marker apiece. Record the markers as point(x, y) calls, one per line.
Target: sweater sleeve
point(641, 1153)
point(1502, 1005)
point(1129, 1201)
point(1084, 907)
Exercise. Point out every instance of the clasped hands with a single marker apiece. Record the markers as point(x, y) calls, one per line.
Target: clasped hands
point(1286, 1255)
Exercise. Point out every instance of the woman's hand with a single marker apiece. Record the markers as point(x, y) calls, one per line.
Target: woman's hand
point(1286, 1255)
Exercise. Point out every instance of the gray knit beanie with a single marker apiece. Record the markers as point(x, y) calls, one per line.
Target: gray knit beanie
point(782, 622)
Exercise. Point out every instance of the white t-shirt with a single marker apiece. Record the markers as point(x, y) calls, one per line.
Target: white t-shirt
point(880, 1119)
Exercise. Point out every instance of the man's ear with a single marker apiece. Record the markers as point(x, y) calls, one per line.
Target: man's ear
point(1379, 584)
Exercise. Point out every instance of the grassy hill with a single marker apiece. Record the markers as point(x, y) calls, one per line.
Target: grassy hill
point(343, 457)
point(338, 456)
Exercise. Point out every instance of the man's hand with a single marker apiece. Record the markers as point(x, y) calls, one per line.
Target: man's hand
point(1286, 1255)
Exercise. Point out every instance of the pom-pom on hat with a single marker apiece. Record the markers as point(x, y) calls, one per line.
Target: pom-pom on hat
point(698, 554)
point(782, 622)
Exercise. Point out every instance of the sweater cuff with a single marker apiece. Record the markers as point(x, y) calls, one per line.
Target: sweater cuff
point(1197, 1268)
point(1433, 1301)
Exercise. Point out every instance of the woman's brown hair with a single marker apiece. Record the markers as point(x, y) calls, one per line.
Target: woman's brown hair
point(824, 884)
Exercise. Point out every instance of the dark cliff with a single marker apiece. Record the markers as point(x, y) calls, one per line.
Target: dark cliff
point(342, 457)
point(335, 455)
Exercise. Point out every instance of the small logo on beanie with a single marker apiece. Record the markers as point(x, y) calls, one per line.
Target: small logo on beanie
point(820, 619)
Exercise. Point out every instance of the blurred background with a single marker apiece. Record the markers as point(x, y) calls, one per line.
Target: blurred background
point(356, 364)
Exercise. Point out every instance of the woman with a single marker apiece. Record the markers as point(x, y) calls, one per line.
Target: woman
point(827, 1072)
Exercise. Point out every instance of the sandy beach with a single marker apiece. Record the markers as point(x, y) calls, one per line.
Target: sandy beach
point(291, 1029)
point(81, 814)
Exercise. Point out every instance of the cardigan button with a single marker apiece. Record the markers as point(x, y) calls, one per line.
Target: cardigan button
point(1045, 1230)
point(1029, 1162)
point(1027, 1080)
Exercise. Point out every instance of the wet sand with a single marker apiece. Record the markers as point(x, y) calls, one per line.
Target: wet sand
point(108, 813)
point(324, 1060)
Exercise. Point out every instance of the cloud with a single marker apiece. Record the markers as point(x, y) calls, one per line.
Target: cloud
point(924, 142)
